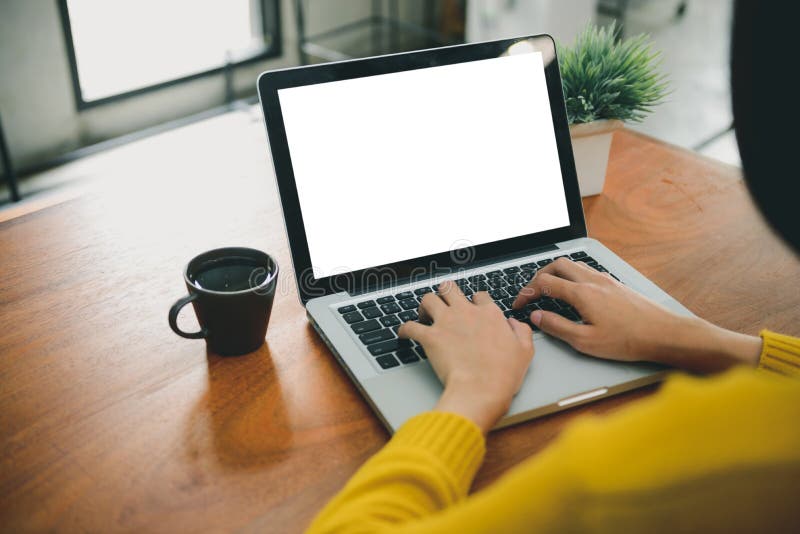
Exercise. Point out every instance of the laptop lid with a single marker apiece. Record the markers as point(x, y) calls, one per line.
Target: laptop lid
point(406, 165)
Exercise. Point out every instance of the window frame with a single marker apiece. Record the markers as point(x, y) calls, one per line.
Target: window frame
point(271, 22)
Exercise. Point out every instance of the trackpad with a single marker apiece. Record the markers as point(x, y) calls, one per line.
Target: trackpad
point(560, 373)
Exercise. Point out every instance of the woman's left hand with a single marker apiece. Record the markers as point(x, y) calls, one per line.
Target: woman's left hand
point(480, 356)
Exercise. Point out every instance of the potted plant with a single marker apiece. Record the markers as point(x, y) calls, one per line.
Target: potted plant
point(606, 81)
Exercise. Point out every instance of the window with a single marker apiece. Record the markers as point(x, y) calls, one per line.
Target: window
point(124, 47)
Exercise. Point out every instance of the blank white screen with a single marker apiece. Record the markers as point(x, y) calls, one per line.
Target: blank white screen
point(403, 165)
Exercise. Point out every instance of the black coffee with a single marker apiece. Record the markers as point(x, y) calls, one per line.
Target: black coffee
point(230, 274)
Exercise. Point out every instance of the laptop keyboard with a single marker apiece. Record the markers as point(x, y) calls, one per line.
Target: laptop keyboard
point(376, 321)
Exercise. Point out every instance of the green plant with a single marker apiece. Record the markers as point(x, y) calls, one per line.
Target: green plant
point(607, 78)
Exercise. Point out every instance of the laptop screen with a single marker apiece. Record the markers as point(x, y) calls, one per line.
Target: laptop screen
point(408, 164)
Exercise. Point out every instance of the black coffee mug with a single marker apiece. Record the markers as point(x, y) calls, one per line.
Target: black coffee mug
point(231, 290)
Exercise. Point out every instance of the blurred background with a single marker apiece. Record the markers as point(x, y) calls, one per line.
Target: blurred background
point(85, 84)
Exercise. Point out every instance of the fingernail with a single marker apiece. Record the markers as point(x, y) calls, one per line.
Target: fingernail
point(536, 317)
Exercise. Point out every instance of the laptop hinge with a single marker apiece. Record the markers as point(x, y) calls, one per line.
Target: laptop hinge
point(445, 272)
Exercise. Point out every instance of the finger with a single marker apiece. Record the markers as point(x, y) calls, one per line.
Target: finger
point(574, 271)
point(451, 293)
point(482, 298)
point(546, 285)
point(522, 331)
point(560, 327)
point(525, 295)
point(414, 330)
point(525, 336)
point(431, 306)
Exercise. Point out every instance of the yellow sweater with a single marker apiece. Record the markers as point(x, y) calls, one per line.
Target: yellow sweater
point(703, 454)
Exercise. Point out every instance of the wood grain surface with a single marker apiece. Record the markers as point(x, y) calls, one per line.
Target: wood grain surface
point(110, 422)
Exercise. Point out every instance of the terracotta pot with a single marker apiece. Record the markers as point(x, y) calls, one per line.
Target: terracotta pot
point(591, 143)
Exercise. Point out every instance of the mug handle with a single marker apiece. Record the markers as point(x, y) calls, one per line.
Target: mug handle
point(173, 318)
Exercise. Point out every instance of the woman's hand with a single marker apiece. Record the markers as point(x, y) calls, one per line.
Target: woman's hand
point(480, 356)
point(622, 324)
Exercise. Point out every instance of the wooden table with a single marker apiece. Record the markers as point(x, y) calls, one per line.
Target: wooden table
point(109, 421)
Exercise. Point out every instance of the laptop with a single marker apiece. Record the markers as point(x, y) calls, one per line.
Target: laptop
point(400, 171)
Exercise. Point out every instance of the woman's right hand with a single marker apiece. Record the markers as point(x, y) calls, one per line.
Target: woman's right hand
point(621, 324)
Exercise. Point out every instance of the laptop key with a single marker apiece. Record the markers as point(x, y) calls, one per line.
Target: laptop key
point(497, 283)
point(421, 352)
point(532, 266)
point(481, 286)
point(365, 326)
point(500, 305)
point(511, 270)
point(347, 309)
point(577, 255)
point(549, 305)
point(407, 356)
point(542, 263)
point(390, 307)
point(372, 313)
point(409, 304)
point(476, 278)
point(366, 304)
point(385, 300)
point(352, 317)
point(387, 361)
point(517, 279)
point(498, 294)
point(376, 336)
point(508, 313)
point(520, 315)
point(390, 345)
point(509, 302)
point(530, 307)
point(494, 274)
point(421, 291)
point(404, 295)
point(390, 320)
point(408, 315)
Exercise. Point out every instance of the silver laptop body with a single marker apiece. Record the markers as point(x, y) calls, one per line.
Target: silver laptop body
point(340, 168)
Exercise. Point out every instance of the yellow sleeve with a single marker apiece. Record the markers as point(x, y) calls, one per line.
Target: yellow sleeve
point(703, 454)
point(427, 466)
point(780, 354)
